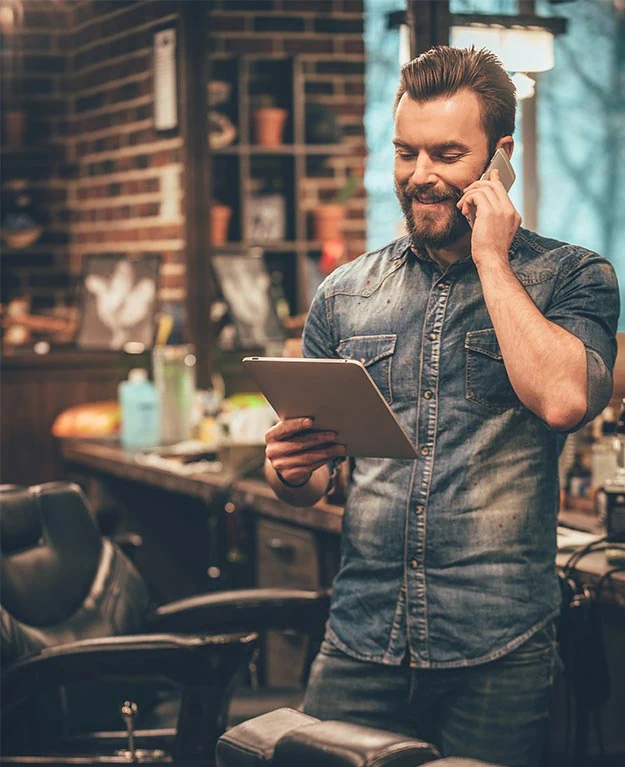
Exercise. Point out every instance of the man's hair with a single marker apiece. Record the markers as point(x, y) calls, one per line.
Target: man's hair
point(443, 71)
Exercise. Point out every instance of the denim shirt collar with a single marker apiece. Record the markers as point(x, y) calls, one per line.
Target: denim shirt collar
point(404, 248)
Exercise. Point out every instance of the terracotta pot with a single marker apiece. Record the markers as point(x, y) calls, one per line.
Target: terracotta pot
point(220, 221)
point(269, 125)
point(15, 127)
point(328, 221)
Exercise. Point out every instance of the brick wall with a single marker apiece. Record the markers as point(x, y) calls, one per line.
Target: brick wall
point(126, 197)
point(34, 79)
point(104, 174)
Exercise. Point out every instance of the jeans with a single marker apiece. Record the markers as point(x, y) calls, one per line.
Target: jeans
point(496, 712)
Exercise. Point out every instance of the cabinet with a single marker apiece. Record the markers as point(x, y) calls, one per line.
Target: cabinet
point(291, 557)
point(247, 174)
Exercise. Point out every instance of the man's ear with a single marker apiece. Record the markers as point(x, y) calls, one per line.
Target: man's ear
point(507, 144)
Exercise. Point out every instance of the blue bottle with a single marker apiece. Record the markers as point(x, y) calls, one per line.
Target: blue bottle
point(140, 411)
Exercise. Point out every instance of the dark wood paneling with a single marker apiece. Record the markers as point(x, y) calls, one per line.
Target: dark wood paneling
point(35, 389)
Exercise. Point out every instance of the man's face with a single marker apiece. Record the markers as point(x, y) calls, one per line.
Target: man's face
point(440, 148)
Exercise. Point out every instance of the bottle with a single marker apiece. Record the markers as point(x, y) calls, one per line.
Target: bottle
point(604, 452)
point(610, 503)
point(140, 411)
point(577, 480)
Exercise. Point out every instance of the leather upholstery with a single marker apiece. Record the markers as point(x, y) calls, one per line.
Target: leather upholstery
point(252, 743)
point(350, 745)
point(286, 737)
point(60, 580)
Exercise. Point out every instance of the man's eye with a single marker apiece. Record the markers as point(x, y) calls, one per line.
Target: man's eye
point(405, 155)
point(450, 157)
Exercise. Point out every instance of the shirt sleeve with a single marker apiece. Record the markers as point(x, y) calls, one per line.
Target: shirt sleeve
point(317, 339)
point(586, 303)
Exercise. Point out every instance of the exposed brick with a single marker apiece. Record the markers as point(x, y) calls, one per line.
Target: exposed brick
point(248, 44)
point(294, 45)
point(310, 6)
point(319, 88)
point(354, 88)
point(226, 22)
point(235, 6)
point(354, 46)
point(279, 24)
point(352, 6)
point(339, 26)
point(339, 67)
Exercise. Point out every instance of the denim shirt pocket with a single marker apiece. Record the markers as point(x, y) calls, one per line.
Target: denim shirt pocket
point(487, 382)
point(376, 354)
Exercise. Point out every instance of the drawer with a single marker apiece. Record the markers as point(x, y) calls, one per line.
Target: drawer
point(286, 556)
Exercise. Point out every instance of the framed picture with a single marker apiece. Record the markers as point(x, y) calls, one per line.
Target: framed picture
point(245, 286)
point(265, 218)
point(117, 301)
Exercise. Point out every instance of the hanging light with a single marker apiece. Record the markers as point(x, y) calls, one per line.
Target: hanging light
point(520, 49)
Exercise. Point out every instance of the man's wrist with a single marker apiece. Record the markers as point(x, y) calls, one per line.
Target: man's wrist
point(292, 485)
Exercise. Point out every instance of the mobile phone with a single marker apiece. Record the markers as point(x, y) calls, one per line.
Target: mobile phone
point(507, 175)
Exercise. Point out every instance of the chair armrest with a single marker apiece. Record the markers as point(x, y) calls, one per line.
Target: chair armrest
point(185, 660)
point(129, 543)
point(245, 610)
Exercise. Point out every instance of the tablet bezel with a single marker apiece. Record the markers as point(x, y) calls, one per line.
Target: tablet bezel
point(340, 395)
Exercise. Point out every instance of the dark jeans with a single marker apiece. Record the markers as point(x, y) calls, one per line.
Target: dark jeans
point(496, 712)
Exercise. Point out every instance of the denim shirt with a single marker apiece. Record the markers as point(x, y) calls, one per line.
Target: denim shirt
point(451, 557)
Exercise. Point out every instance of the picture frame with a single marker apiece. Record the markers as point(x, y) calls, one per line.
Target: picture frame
point(245, 285)
point(265, 219)
point(118, 301)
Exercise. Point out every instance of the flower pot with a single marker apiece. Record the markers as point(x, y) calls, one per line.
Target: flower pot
point(220, 221)
point(269, 125)
point(328, 221)
point(15, 127)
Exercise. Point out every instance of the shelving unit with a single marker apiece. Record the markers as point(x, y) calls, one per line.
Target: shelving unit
point(240, 169)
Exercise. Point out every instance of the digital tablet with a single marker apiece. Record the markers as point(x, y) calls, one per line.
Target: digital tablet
point(340, 395)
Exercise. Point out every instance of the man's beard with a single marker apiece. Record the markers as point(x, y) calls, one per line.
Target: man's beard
point(448, 226)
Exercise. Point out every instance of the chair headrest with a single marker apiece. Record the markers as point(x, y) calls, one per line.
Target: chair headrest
point(50, 551)
point(20, 520)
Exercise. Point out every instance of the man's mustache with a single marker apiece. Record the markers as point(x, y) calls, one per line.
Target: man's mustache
point(427, 196)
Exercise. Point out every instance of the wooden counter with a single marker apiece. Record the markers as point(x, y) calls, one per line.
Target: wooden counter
point(255, 494)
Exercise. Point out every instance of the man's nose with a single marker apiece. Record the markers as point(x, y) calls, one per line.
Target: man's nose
point(423, 172)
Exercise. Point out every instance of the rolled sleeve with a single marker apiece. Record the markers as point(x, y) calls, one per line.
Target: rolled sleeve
point(586, 303)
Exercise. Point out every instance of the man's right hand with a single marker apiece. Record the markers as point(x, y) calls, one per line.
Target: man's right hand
point(295, 449)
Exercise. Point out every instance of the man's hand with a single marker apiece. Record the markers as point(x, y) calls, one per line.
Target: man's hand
point(496, 219)
point(295, 451)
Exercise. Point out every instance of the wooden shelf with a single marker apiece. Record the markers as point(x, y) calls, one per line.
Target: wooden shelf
point(284, 149)
point(273, 247)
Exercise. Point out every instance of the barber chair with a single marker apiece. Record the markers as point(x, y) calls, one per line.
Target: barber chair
point(75, 610)
point(286, 737)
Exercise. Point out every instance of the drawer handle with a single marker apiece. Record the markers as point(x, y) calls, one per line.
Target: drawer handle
point(281, 547)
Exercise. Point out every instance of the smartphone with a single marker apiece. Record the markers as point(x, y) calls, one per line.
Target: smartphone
point(507, 175)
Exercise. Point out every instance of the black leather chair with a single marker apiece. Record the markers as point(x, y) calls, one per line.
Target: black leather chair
point(284, 737)
point(74, 609)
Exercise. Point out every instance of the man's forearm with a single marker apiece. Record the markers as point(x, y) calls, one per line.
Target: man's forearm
point(306, 495)
point(545, 363)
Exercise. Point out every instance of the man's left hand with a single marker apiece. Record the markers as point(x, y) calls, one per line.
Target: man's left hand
point(496, 219)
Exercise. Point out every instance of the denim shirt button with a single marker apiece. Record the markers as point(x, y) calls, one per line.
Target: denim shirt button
point(427, 394)
point(433, 336)
point(420, 509)
point(425, 451)
point(414, 564)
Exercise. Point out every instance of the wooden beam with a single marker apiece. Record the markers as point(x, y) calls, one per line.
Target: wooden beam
point(200, 286)
point(429, 24)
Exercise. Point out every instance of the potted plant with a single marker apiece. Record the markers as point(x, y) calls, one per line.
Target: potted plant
point(328, 217)
point(269, 121)
point(219, 222)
